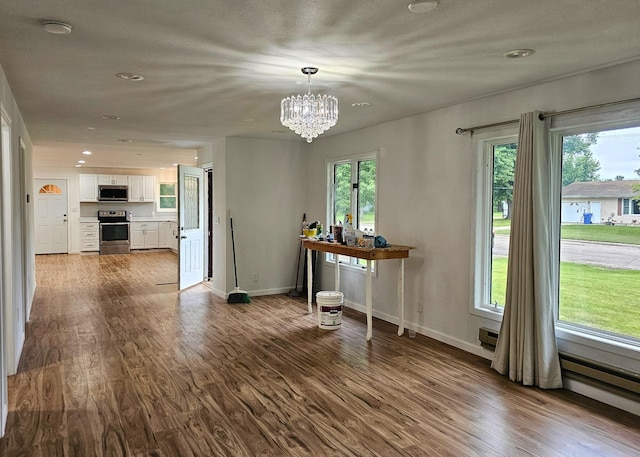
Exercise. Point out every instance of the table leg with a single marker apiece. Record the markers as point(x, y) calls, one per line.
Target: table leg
point(337, 274)
point(368, 301)
point(309, 280)
point(401, 299)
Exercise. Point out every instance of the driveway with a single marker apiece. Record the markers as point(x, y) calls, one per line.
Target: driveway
point(609, 255)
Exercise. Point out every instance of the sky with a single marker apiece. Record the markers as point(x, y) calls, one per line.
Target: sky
point(618, 153)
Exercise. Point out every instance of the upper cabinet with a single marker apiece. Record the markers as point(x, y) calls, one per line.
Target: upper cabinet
point(142, 188)
point(120, 180)
point(88, 188)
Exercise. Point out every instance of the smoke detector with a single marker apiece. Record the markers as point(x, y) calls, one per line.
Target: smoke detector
point(56, 27)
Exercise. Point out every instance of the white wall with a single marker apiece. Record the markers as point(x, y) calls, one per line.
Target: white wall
point(18, 251)
point(266, 190)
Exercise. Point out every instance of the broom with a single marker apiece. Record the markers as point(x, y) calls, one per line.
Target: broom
point(236, 295)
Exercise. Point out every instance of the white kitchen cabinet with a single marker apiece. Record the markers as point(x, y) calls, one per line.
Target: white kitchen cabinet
point(88, 187)
point(144, 235)
point(119, 180)
point(164, 234)
point(174, 236)
point(89, 238)
point(142, 188)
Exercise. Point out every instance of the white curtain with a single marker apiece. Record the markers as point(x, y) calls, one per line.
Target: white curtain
point(527, 350)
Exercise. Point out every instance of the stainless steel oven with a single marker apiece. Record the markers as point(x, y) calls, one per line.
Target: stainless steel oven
point(114, 232)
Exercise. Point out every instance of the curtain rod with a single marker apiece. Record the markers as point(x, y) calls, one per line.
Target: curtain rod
point(542, 116)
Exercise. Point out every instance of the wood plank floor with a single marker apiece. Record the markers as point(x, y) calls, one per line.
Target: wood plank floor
point(116, 363)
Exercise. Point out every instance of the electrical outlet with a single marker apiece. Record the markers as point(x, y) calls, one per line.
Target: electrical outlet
point(419, 306)
point(255, 277)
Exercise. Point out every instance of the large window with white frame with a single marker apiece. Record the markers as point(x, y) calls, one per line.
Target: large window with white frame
point(494, 198)
point(352, 190)
point(595, 245)
point(599, 269)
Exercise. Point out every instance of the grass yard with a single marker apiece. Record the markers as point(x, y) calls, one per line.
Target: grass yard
point(591, 296)
point(500, 221)
point(606, 233)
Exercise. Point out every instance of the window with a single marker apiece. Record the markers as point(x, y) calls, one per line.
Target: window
point(630, 206)
point(167, 200)
point(600, 247)
point(352, 190)
point(494, 197)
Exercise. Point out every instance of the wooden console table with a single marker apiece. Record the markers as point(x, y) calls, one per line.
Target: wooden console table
point(369, 254)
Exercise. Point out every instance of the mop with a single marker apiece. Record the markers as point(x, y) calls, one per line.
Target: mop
point(236, 295)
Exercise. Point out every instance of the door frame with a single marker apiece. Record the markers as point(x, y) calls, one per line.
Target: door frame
point(35, 194)
point(181, 172)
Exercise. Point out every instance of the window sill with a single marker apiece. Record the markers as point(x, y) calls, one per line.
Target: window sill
point(489, 313)
point(602, 342)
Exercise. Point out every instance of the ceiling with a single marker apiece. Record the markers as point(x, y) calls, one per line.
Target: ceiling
point(216, 68)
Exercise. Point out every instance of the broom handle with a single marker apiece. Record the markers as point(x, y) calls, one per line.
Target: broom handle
point(233, 245)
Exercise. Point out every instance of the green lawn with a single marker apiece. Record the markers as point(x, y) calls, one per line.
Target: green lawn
point(607, 233)
point(582, 232)
point(591, 296)
point(500, 221)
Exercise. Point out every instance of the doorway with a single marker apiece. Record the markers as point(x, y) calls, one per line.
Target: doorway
point(51, 216)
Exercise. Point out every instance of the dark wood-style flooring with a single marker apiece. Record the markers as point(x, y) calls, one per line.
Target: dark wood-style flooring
point(116, 363)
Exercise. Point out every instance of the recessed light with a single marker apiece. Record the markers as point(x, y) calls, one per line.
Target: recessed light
point(130, 76)
point(422, 6)
point(125, 140)
point(248, 119)
point(174, 164)
point(360, 104)
point(279, 132)
point(78, 165)
point(109, 117)
point(517, 53)
point(166, 143)
point(91, 128)
point(56, 27)
point(81, 161)
point(196, 157)
point(87, 153)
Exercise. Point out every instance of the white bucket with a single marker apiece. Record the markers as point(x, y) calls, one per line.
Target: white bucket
point(329, 309)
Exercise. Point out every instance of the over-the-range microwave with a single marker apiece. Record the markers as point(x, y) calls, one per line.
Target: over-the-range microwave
point(110, 193)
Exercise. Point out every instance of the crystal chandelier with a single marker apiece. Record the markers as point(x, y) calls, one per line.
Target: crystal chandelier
point(309, 115)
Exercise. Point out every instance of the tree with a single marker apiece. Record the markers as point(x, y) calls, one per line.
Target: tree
point(504, 167)
point(636, 187)
point(619, 178)
point(578, 164)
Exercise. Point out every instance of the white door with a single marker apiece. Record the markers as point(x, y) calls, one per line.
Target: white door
point(191, 225)
point(51, 216)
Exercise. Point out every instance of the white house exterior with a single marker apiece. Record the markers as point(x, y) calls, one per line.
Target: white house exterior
point(606, 201)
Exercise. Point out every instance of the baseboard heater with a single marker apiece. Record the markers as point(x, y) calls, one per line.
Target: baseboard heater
point(580, 367)
point(601, 373)
point(488, 338)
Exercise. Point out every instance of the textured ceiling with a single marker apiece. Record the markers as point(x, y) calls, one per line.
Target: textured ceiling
point(216, 68)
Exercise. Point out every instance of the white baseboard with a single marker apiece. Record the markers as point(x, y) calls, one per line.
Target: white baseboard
point(276, 291)
point(219, 293)
point(465, 346)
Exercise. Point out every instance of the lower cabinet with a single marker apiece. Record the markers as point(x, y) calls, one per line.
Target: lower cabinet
point(167, 235)
point(89, 239)
point(144, 235)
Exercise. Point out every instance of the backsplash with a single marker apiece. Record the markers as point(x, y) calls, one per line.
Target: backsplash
point(138, 209)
